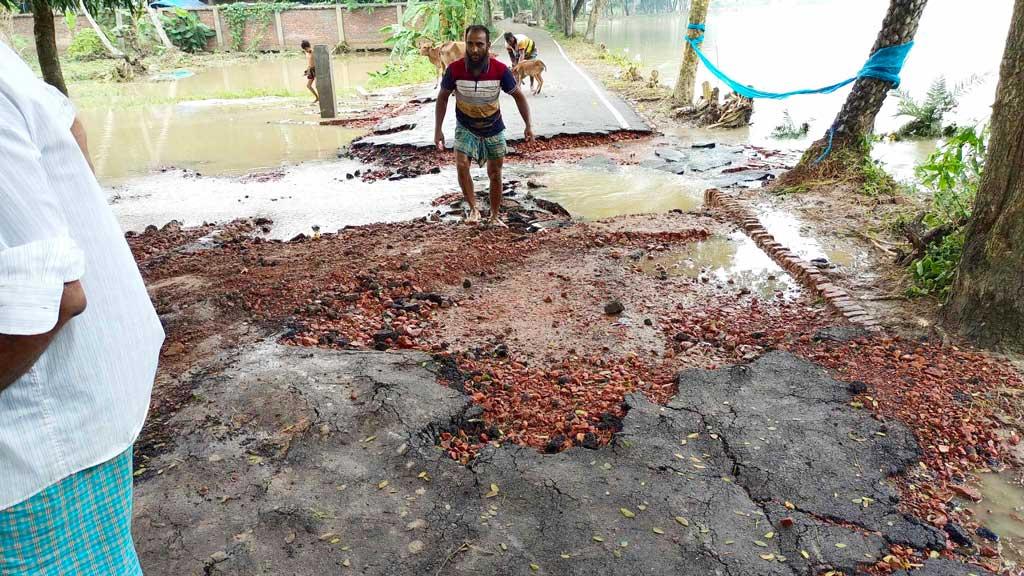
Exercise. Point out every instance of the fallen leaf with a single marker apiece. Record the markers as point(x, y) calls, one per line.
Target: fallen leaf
point(383, 484)
point(759, 543)
point(598, 539)
point(657, 530)
point(805, 554)
point(346, 563)
point(534, 567)
point(769, 535)
point(627, 512)
point(493, 492)
point(768, 556)
point(840, 545)
point(789, 505)
point(565, 556)
point(682, 521)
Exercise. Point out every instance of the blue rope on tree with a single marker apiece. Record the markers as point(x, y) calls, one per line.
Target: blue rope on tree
point(884, 64)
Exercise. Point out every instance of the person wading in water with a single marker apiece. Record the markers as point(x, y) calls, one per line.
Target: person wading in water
point(477, 81)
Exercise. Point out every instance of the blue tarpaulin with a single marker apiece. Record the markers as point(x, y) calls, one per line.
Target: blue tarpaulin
point(177, 4)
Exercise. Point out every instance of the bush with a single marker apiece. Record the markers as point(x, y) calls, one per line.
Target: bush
point(86, 45)
point(927, 116)
point(186, 32)
point(788, 129)
point(952, 175)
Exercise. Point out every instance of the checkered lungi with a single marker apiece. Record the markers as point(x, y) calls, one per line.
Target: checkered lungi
point(80, 525)
point(480, 148)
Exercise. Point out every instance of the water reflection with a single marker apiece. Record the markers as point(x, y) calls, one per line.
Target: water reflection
point(1002, 511)
point(734, 258)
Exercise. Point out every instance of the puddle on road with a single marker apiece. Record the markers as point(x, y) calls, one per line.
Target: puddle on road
point(216, 136)
point(722, 258)
point(593, 193)
point(315, 193)
point(1002, 511)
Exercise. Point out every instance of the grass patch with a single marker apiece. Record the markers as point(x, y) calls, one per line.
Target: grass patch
point(411, 69)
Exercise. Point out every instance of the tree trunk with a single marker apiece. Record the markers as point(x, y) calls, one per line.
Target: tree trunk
point(576, 9)
point(595, 11)
point(99, 32)
point(538, 12)
point(625, 7)
point(558, 12)
point(158, 25)
point(46, 44)
point(687, 81)
point(987, 302)
point(857, 118)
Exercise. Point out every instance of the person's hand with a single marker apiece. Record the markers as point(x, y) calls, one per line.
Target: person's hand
point(439, 140)
point(528, 134)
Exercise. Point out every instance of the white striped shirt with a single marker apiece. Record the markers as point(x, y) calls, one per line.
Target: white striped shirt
point(85, 399)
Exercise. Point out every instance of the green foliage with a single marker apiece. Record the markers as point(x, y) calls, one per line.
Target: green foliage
point(410, 69)
point(933, 273)
point(789, 130)
point(186, 31)
point(259, 13)
point(927, 116)
point(432, 21)
point(71, 21)
point(86, 45)
point(952, 175)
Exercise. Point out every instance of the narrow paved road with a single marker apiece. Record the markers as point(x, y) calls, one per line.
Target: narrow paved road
point(571, 102)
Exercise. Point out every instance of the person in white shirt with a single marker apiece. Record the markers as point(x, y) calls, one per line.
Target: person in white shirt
point(79, 343)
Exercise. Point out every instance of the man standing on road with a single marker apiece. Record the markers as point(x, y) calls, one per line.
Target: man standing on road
point(75, 380)
point(478, 81)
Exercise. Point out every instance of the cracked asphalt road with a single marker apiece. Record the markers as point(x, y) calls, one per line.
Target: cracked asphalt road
point(307, 461)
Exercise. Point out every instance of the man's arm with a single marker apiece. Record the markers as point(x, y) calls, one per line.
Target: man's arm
point(524, 111)
point(78, 131)
point(40, 264)
point(19, 353)
point(440, 109)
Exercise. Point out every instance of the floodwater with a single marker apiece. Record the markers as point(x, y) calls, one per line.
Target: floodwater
point(212, 135)
point(733, 258)
point(1002, 511)
point(782, 45)
point(600, 190)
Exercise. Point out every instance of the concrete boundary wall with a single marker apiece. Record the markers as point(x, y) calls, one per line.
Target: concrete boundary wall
point(328, 24)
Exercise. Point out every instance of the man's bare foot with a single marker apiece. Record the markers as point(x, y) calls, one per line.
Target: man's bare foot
point(496, 222)
point(315, 101)
point(473, 217)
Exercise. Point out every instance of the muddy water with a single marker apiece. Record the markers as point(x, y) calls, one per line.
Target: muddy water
point(213, 135)
point(1002, 511)
point(734, 258)
point(781, 45)
point(592, 192)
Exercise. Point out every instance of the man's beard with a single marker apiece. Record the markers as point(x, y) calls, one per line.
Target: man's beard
point(477, 65)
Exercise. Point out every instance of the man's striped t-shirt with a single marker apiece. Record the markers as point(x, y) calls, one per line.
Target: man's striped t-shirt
point(476, 97)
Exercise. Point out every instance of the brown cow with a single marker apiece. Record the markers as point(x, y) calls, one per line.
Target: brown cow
point(443, 55)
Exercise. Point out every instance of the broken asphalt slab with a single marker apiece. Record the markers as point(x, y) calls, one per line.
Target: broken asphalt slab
point(308, 461)
point(570, 103)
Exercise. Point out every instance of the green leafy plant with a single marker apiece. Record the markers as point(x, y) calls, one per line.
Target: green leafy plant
point(927, 115)
point(86, 45)
point(432, 20)
point(952, 175)
point(788, 129)
point(239, 14)
point(186, 31)
point(71, 21)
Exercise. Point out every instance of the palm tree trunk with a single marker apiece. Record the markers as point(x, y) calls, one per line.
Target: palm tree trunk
point(856, 120)
point(682, 95)
point(46, 44)
point(987, 303)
